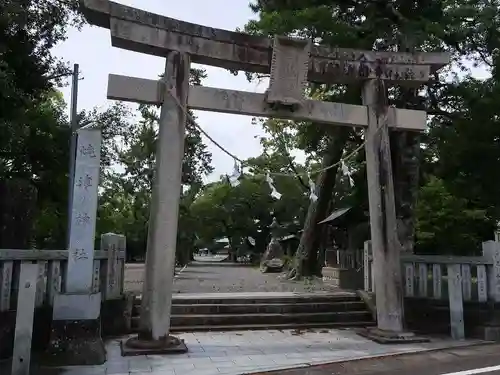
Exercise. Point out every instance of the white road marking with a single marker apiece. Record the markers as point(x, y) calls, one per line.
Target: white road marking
point(475, 371)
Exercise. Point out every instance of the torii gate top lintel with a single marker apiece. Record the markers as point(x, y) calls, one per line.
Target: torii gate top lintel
point(151, 33)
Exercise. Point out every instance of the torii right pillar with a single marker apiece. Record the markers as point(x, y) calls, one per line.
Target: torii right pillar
point(388, 283)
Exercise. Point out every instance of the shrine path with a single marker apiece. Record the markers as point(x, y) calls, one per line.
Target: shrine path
point(214, 277)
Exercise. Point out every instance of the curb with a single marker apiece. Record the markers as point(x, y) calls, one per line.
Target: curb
point(275, 370)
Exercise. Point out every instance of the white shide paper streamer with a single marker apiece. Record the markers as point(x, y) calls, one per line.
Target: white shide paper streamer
point(234, 177)
point(274, 192)
point(346, 172)
point(312, 189)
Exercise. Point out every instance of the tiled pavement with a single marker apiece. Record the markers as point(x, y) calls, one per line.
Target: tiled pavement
point(232, 353)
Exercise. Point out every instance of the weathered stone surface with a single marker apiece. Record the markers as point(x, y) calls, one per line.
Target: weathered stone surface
point(386, 252)
point(389, 337)
point(136, 346)
point(349, 71)
point(113, 323)
point(272, 259)
point(345, 279)
point(25, 312)
point(289, 66)
point(155, 41)
point(84, 212)
point(253, 104)
point(114, 317)
point(74, 343)
point(99, 12)
point(77, 306)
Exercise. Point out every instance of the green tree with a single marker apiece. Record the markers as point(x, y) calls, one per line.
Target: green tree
point(128, 185)
point(469, 30)
point(246, 210)
point(444, 222)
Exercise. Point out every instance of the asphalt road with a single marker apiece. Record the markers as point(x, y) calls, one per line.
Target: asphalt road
point(479, 359)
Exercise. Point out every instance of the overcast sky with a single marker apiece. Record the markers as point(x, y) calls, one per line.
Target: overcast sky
point(91, 49)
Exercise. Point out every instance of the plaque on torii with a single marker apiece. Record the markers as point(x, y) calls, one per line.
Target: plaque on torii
point(291, 63)
point(289, 66)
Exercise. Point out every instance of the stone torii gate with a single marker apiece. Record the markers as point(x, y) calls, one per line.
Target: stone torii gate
point(291, 63)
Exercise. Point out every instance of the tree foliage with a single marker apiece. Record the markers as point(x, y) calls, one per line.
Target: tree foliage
point(463, 127)
point(247, 210)
point(452, 169)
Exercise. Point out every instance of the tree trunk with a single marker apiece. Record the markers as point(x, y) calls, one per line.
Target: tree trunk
point(305, 260)
point(405, 150)
point(406, 168)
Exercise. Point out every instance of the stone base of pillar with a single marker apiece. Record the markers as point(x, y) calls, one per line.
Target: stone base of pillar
point(138, 346)
point(115, 316)
point(390, 337)
point(75, 337)
point(490, 331)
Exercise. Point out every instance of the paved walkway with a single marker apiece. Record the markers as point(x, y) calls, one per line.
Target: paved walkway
point(206, 277)
point(232, 353)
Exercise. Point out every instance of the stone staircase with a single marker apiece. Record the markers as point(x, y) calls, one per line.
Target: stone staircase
point(253, 311)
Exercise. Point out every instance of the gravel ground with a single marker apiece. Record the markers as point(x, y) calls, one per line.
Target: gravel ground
point(205, 277)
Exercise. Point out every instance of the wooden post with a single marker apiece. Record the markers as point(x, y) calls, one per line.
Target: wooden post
point(386, 260)
point(24, 318)
point(162, 232)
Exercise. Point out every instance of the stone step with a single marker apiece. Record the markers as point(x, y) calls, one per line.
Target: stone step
point(191, 320)
point(257, 327)
point(224, 311)
point(263, 308)
point(239, 319)
point(258, 298)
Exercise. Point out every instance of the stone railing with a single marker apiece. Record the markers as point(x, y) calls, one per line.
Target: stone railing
point(29, 281)
point(344, 268)
point(456, 279)
point(345, 259)
point(108, 274)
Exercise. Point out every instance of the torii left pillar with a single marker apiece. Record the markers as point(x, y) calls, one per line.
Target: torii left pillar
point(154, 335)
